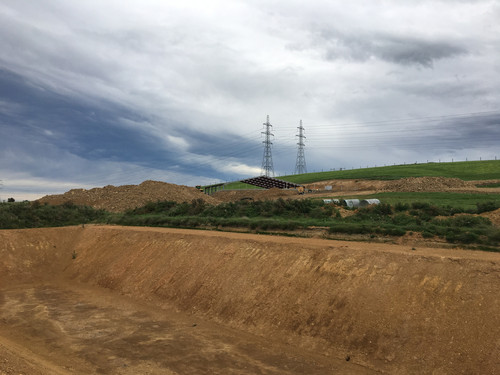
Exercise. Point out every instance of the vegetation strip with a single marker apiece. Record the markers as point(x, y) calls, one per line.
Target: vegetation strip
point(454, 223)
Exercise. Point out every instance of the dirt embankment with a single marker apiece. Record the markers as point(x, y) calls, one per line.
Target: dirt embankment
point(410, 184)
point(121, 198)
point(387, 308)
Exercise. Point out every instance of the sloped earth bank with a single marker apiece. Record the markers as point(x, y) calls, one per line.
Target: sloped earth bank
point(409, 184)
point(115, 300)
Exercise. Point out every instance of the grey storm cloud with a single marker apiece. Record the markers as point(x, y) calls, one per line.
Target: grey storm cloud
point(390, 48)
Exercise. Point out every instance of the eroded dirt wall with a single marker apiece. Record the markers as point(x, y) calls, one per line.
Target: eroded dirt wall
point(30, 254)
point(392, 308)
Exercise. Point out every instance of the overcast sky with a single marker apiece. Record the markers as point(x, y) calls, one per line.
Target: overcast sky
point(117, 92)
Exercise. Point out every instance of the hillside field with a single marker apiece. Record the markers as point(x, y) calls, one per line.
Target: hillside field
point(465, 170)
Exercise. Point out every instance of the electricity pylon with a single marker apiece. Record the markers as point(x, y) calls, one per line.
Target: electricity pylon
point(300, 165)
point(267, 159)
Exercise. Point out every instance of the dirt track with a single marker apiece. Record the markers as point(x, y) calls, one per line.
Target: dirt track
point(165, 301)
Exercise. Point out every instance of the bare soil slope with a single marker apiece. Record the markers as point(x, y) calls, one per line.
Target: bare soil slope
point(121, 198)
point(410, 184)
point(271, 305)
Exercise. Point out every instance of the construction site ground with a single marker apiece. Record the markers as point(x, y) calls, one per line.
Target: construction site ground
point(125, 300)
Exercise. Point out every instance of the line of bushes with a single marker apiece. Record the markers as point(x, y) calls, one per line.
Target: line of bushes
point(159, 220)
point(36, 215)
point(382, 219)
point(279, 208)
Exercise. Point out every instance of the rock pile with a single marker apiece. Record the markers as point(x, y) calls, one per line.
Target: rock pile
point(121, 198)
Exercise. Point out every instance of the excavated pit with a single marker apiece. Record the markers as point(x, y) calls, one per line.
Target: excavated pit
point(115, 300)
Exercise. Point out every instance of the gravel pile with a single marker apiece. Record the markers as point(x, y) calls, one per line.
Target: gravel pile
point(122, 198)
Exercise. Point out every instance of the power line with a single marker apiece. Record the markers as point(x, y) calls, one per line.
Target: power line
point(404, 120)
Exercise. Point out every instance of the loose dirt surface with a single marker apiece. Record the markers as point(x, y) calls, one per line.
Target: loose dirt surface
point(61, 329)
point(115, 300)
point(121, 198)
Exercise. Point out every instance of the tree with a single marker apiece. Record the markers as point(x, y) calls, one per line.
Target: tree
point(11, 200)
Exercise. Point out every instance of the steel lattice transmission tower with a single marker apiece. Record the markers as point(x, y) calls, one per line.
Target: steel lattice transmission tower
point(267, 159)
point(300, 165)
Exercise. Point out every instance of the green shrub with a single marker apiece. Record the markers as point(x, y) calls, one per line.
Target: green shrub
point(420, 205)
point(403, 219)
point(487, 206)
point(400, 207)
point(382, 209)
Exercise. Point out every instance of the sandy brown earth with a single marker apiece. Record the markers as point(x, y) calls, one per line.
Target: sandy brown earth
point(114, 300)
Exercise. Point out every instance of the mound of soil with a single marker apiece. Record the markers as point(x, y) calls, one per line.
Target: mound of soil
point(121, 198)
point(415, 184)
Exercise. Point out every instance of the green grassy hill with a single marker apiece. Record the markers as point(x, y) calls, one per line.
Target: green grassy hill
point(466, 170)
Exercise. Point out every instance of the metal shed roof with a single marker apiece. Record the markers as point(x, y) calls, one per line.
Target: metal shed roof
point(269, 182)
